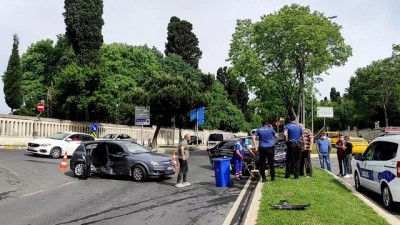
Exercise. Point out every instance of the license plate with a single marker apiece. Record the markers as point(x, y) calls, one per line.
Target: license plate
point(170, 168)
point(29, 147)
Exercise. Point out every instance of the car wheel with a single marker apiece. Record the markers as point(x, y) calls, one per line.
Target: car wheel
point(55, 152)
point(211, 160)
point(138, 173)
point(80, 170)
point(357, 183)
point(387, 197)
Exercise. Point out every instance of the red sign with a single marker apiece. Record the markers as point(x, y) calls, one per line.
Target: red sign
point(40, 107)
point(277, 123)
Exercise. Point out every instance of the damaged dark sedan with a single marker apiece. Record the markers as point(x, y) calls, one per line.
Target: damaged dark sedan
point(121, 158)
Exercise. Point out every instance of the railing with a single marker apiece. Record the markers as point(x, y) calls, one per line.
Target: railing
point(31, 127)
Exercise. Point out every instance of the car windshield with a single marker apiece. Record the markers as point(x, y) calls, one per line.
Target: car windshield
point(357, 140)
point(110, 136)
point(135, 148)
point(216, 137)
point(59, 136)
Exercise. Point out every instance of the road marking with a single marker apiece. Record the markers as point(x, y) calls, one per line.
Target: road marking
point(66, 183)
point(33, 193)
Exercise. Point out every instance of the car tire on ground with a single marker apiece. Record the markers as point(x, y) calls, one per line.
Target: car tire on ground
point(80, 170)
point(211, 160)
point(357, 183)
point(138, 173)
point(55, 152)
point(387, 197)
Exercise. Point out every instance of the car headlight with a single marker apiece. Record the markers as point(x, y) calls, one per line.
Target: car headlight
point(45, 145)
point(155, 163)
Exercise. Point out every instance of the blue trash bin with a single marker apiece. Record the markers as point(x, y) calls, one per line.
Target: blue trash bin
point(222, 171)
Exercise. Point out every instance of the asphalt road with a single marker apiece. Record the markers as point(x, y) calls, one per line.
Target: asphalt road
point(33, 191)
point(375, 198)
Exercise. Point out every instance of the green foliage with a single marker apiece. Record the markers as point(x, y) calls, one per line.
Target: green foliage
point(376, 87)
point(291, 48)
point(12, 78)
point(83, 20)
point(182, 41)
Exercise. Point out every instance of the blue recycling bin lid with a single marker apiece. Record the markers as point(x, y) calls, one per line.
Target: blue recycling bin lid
point(221, 159)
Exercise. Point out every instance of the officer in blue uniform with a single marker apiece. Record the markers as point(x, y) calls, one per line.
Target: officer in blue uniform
point(294, 138)
point(266, 136)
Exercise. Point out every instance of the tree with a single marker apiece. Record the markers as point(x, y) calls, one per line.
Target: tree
point(12, 78)
point(182, 41)
point(291, 48)
point(83, 20)
point(376, 86)
point(230, 83)
point(242, 96)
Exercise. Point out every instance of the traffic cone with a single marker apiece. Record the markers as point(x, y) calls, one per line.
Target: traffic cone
point(174, 161)
point(63, 165)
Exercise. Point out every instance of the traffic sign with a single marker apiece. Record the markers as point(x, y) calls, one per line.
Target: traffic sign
point(325, 112)
point(277, 123)
point(197, 114)
point(93, 128)
point(142, 115)
point(40, 107)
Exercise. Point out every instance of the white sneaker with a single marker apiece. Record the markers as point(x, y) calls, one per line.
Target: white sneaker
point(179, 185)
point(351, 175)
point(347, 176)
point(186, 184)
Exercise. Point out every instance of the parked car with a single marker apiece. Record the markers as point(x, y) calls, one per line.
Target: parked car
point(215, 138)
point(226, 148)
point(359, 144)
point(378, 169)
point(194, 139)
point(57, 144)
point(119, 137)
point(333, 137)
point(121, 158)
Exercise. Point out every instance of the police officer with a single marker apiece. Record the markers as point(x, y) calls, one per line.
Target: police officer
point(294, 138)
point(266, 135)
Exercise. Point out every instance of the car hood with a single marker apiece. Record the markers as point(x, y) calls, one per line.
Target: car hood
point(45, 140)
point(153, 156)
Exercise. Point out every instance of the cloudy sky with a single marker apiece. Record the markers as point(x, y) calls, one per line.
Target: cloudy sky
point(369, 26)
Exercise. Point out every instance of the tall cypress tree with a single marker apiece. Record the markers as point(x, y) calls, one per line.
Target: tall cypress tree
point(182, 41)
point(12, 78)
point(84, 22)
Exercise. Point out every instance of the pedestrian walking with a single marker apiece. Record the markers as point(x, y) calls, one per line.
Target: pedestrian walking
point(266, 138)
point(183, 156)
point(348, 157)
point(341, 146)
point(324, 149)
point(238, 157)
point(305, 160)
point(294, 138)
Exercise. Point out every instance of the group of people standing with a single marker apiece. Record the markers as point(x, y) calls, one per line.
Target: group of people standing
point(299, 141)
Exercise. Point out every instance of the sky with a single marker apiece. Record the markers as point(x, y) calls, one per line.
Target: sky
point(370, 27)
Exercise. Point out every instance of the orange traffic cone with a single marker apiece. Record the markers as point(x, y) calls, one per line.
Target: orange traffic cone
point(174, 161)
point(63, 165)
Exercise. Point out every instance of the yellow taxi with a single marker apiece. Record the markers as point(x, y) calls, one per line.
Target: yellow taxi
point(359, 144)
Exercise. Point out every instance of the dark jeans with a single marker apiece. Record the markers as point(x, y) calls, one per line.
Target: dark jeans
point(264, 154)
point(183, 169)
point(305, 161)
point(347, 164)
point(293, 158)
point(341, 164)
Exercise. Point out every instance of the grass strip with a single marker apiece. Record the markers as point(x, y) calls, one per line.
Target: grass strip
point(331, 202)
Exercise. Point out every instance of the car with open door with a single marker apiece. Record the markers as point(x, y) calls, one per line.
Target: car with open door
point(119, 158)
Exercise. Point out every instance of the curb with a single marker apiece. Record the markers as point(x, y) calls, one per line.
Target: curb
point(11, 147)
point(251, 214)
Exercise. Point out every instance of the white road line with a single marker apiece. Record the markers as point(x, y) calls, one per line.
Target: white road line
point(66, 183)
point(33, 193)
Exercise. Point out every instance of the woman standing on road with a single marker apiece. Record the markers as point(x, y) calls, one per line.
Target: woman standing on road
point(341, 146)
point(347, 158)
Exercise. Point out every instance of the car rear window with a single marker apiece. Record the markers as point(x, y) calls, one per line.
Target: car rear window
point(357, 140)
point(216, 137)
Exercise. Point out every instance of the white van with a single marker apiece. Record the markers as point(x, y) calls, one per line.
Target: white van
point(378, 169)
point(215, 138)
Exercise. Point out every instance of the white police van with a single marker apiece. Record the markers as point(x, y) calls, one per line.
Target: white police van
point(378, 169)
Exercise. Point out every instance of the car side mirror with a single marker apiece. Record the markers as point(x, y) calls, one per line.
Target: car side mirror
point(68, 139)
point(358, 157)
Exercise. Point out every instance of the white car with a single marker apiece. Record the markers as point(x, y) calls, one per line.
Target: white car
point(378, 169)
point(57, 144)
